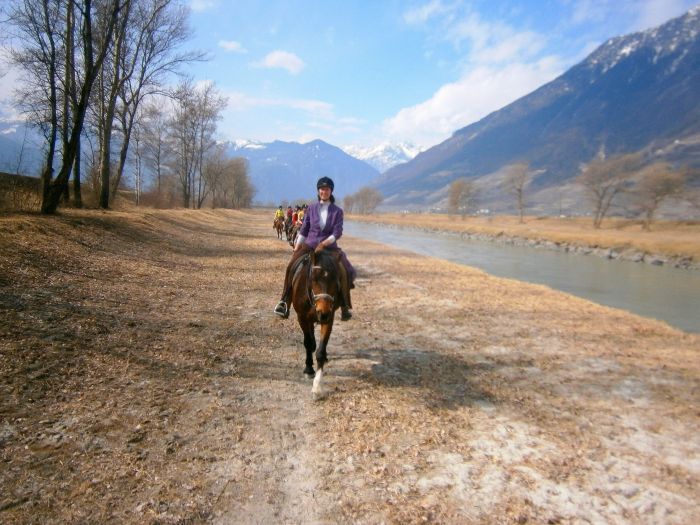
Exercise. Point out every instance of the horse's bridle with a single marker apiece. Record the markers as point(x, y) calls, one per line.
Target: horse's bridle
point(315, 297)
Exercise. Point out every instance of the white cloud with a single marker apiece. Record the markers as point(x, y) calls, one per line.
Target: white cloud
point(238, 101)
point(232, 46)
point(202, 5)
point(642, 14)
point(652, 13)
point(317, 118)
point(491, 42)
point(481, 91)
point(283, 60)
point(501, 63)
point(589, 11)
point(516, 45)
point(421, 14)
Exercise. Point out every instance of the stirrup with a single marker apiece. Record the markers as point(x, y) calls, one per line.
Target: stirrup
point(282, 310)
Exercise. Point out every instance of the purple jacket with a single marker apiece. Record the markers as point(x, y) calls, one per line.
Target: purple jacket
point(311, 228)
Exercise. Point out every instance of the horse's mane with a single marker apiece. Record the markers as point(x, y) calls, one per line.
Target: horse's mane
point(326, 260)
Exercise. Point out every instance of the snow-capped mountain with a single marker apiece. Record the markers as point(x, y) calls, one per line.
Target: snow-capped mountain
point(385, 155)
point(241, 144)
point(287, 171)
point(639, 92)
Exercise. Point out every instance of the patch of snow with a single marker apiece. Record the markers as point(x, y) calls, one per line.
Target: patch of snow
point(385, 155)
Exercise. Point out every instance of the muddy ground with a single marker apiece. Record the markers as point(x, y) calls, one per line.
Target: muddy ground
point(143, 379)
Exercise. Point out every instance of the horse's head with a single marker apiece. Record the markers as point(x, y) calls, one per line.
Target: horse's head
point(323, 286)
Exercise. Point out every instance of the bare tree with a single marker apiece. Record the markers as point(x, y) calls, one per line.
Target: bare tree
point(605, 179)
point(349, 203)
point(517, 177)
point(213, 171)
point(65, 47)
point(460, 196)
point(158, 29)
point(184, 134)
point(138, 156)
point(658, 182)
point(42, 27)
point(38, 25)
point(209, 106)
point(238, 186)
point(112, 76)
point(155, 143)
point(366, 200)
point(193, 126)
point(231, 187)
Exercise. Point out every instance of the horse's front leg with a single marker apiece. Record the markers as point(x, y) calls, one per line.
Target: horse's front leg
point(309, 344)
point(321, 359)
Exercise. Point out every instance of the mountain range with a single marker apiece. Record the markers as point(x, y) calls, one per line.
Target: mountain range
point(288, 171)
point(639, 92)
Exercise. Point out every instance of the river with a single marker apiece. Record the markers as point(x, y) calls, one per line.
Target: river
point(665, 293)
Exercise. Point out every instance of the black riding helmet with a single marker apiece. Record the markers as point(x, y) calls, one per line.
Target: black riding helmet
point(325, 181)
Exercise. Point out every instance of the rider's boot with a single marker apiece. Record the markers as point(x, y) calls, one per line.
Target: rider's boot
point(282, 308)
point(346, 303)
point(346, 308)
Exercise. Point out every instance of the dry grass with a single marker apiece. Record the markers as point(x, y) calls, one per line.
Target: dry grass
point(675, 238)
point(144, 380)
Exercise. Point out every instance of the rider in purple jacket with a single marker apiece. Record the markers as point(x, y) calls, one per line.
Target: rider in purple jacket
point(322, 227)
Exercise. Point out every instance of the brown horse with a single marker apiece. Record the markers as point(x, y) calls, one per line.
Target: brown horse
point(288, 228)
point(278, 226)
point(316, 297)
point(294, 234)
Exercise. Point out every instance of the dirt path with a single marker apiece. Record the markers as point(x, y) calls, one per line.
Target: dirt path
point(144, 380)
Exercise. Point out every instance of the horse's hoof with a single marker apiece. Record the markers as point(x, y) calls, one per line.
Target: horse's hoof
point(318, 396)
point(309, 371)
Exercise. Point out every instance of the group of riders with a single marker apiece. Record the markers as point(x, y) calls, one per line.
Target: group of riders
point(311, 228)
point(290, 220)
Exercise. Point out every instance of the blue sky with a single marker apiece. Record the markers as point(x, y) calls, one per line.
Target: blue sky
point(362, 72)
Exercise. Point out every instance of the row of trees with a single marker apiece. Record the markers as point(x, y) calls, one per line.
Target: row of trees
point(88, 69)
point(364, 201)
point(645, 186)
point(604, 180)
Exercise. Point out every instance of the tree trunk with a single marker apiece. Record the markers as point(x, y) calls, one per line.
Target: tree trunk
point(127, 124)
point(47, 174)
point(77, 193)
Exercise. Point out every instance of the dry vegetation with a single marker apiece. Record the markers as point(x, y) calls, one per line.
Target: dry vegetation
point(143, 379)
point(673, 238)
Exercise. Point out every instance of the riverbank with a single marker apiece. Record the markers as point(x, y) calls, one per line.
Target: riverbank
point(144, 379)
point(671, 243)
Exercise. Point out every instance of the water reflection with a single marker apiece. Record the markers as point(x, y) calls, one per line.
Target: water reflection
point(665, 293)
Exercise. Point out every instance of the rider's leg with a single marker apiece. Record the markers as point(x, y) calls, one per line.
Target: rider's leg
point(282, 308)
point(346, 303)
